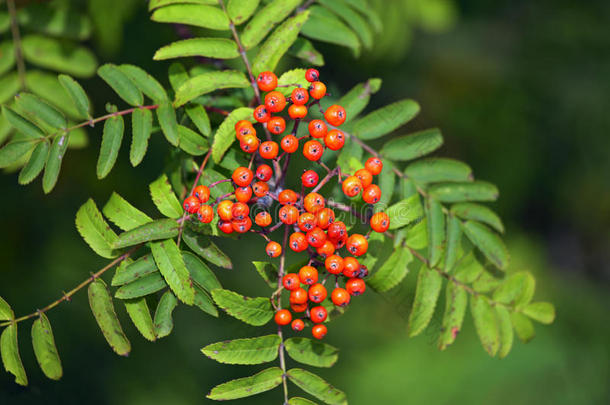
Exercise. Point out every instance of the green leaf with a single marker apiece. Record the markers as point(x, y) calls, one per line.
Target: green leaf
point(244, 387)
point(141, 121)
point(436, 231)
point(244, 351)
point(102, 307)
point(9, 349)
point(292, 78)
point(111, 144)
point(253, 311)
point(9, 85)
point(268, 272)
point(14, 151)
point(41, 110)
point(164, 198)
point(524, 328)
point(429, 284)
point(324, 26)
point(48, 87)
point(352, 18)
point(278, 44)
point(387, 184)
point(55, 21)
point(191, 142)
point(225, 135)
point(516, 290)
point(153, 4)
point(385, 120)
point(7, 61)
point(6, 313)
point(193, 14)
point(241, 10)
point(21, 124)
point(95, 230)
point(543, 312)
point(365, 8)
point(316, 386)
point(478, 212)
point(356, 100)
point(506, 331)
point(155, 230)
point(412, 146)
point(140, 316)
point(392, 271)
point(60, 56)
point(417, 234)
point(45, 349)
point(123, 214)
point(145, 83)
point(172, 267)
point(217, 48)
point(35, 164)
point(486, 323)
point(126, 273)
point(311, 352)
point(304, 49)
point(142, 286)
point(163, 315)
point(204, 302)
point(468, 269)
point(207, 82)
point(53, 166)
point(77, 95)
point(456, 299)
point(121, 84)
point(265, 19)
point(177, 75)
point(454, 238)
point(205, 248)
point(167, 120)
point(200, 272)
point(461, 192)
point(200, 118)
point(435, 170)
point(300, 401)
point(404, 212)
point(488, 242)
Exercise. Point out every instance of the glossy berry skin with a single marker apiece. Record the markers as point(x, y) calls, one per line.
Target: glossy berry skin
point(297, 325)
point(317, 128)
point(191, 204)
point(334, 139)
point(357, 244)
point(245, 130)
point(289, 214)
point(334, 264)
point(327, 249)
point(249, 143)
point(351, 186)
point(312, 75)
point(335, 115)
point(371, 194)
point(380, 222)
point(240, 211)
point(297, 111)
point(316, 237)
point(263, 219)
point(351, 267)
point(242, 176)
point(325, 217)
point(242, 225)
point(268, 150)
point(319, 331)
point(355, 286)
point(318, 314)
point(339, 242)
point(337, 230)
point(310, 178)
point(308, 275)
point(264, 172)
point(243, 194)
point(299, 307)
point(205, 214)
point(287, 197)
point(313, 203)
point(276, 125)
point(261, 114)
point(260, 188)
point(307, 221)
point(317, 90)
point(242, 124)
point(313, 150)
point(273, 249)
point(299, 96)
point(340, 297)
point(283, 317)
point(373, 165)
point(291, 281)
point(365, 177)
point(298, 296)
point(275, 101)
point(298, 242)
point(317, 293)
point(202, 192)
point(225, 226)
point(266, 81)
point(225, 210)
point(289, 143)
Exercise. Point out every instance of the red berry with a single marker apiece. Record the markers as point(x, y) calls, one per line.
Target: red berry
point(240, 211)
point(242, 225)
point(319, 331)
point(307, 221)
point(239, 125)
point(308, 275)
point(335, 115)
point(297, 111)
point(334, 139)
point(283, 317)
point(313, 202)
point(191, 204)
point(317, 128)
point(273, 249)
point(291, 281)
point(249, 143)
point(337, 230)
point(317, 293)
point(261, 114)
point(325, 217)
point(243, 194)
point(351, 186)
point(225, 226)
point(298, 296)
point(289, 214)
point(298, 242)
point(334, 264)
point(318, 314)
point(297, 325)
point(311, 75)
point(299, 96)
point(316, 237)
point(351, 267)
point(268, 150)
point(317, 90)
point(327, 249)
point(267, 81)
point(298, 307)
point(205, 214)
point(312, 150)
point(202, 192)
point(357, 244)
point(340, 297)
point(260, 188)
point(371, 194)
point(264, 172)
point(287, 197)
point(289, 143)
point(275, 101)
point(310, 178)
point(380, 222)
point(263, 219)
point(242, 176)
point(366, 177)
point(374, 165)
point(276, 125)
point(355, 286)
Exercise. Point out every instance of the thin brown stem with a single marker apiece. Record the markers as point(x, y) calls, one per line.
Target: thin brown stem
point(10, 4)
point(281, 272)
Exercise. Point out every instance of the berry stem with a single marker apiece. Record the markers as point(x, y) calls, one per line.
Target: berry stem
point(326, 179)
point(10, 4)
point(281, 272)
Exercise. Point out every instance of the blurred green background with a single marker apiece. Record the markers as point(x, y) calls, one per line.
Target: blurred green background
point(521, 91)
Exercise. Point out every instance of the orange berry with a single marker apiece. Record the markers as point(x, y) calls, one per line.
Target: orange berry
point(242, 225)
point(225, 210)
point(291, 281)
point(310, 178)
point(273, 249)
point(298, 296)
point(191, 204)
point(243, 124)
point(318, 314)
point(289, 143)
point(287, 197)
point(267, 81)
point(316, 237)
point(371, 194)
point(335, 115)
point(264, 172)
point(205, 214)
point(380, 222)
point(244, 131)
point(313, 203)
point(298, 242)
point(261, 114)
point(355, 286)
point(283, 317)
point(202, 192)
point(297, 325)
point(249, 143)
point(319, 331)
point(263, 219)
point(313, 150)
point(289, 214)
point(351, 267)
point(275, 101)
point(325, 217)
point(299, 96)
point(298, 307)
point(311, 75)
point(243, 194)
point(366, 177)
point(317, 90)
point(276, 125)
point(327, 249)
point(317, 128)
point(242, 176)
point(225, 226)
point(240, 211)
point(334, 139)
point(268, 150)
point(260, 188)
point(334, 264)
point(317, 293)
point(351, 186)
point(337, 230)
point(357, 244)
point(307, 221)
point(340, 297)
point(374, 165)
point(297, 111)
point(308, 275)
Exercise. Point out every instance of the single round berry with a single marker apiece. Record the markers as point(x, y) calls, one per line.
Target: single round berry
point(373, 165)
point(202, 192)
point(268, 150)
point(316, 237)
point(351, 186)
point(335, 115)
point(205, 214)
point(308, 275)
point(249, 143)
point(312, 150)
point(289, 143)
point(312, 75)
point(334, 139)
point(357, 244)
point(371, 194)
point(299, 96)
point(334, 264)
point(240, 211)
point(267, 81)
point(317, 128)
point(287, 197)
point(298, 296)
point(317, 293)
point(351, 267)
point(310, 178)
point(260, 188)
point(298, 242)
point(318, 314)
point(242, 225)
point(191, 204)
point(327, 249)
point(273, 249)
point(319, 331)
point(276, 125)
point(291, 281)
point(297, 111)
point(263, 219)
point(243, 194)
point(340, 297)
point(275, 101)
point(337, 230)
point(242, 176)
point(225, 210)
point(313, 203)
point(325, 217)
point(355, 286)
point(380, 222)
point(264, 172)
point(289, 214)
point(225, 226)
point(261, 114)
point(242, 124)
point(244, 131)
point(307, 221)
point(298, 307)
point(317, 90)
point(283, 317)
point(297, 325)
point(365, 177)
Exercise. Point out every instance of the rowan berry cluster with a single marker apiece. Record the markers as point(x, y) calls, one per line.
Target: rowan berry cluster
point(311, 223)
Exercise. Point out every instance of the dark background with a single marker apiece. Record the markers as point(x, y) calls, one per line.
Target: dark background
point(521, 91)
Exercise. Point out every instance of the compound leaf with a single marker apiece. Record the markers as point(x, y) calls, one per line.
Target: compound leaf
point(253, 311)
point(102, 307)
point(257, 350)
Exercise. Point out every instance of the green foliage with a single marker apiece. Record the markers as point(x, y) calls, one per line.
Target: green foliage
point(244, 351)
point(11, 358)
point(102, 307)
point(45, 349)
point(245, 387)
point(316, 386)
point(253, 311)
point(311, 352)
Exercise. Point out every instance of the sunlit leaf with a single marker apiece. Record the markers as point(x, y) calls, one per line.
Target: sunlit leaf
point(506, 331)
point(167, 120)
point(304, 49)
point(127, 273)
point(193, 14)
point(35, 164)
point(316, 386)
point(14, 151)
point(141, 121)
point(486, 323)
point(324, 26)
point(153, 4)
point(351, 18)
point(247, 386)
point(140, 316)
point(121, 84)
point(244, 351)
point(145, 83)
point(41, 110)
point(155, 230)
point(172, 267)
point(311, 352)
point(191, 142)
point(199, 117)
point(268, 272)
point(392, 271)
point(253, 311)
point(225, 135)
point(7, 56)
point(478, 212)
point(356, 100)
point(436, 231)
point(435, 170)
point(6, 313)
point(543, 312)
point(265, 19)
point(385, 120)
point(22, 124)
point(462, 192)
point(53, 166)
point(204, 247)
point(142, 286)
point(95, 230)
point(200, 273)
point(241, 10)
point(207, 82)
point(218, 48)
point(524, 328)
point(404, 212)
point(516, 290)
point(9, 349)
point(164, 198)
